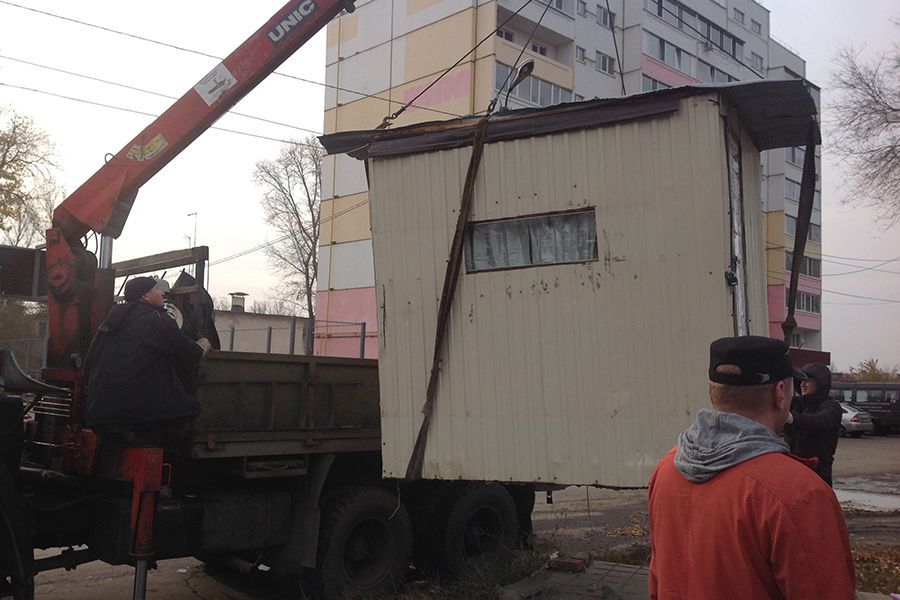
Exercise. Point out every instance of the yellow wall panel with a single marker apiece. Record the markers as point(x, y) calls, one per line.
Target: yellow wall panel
point(414, 6)
point(438, 45)
point(345, 219)
point(349, 27)
point(365, 113)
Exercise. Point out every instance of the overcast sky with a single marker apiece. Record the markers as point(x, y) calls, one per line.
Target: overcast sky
point(213, 177)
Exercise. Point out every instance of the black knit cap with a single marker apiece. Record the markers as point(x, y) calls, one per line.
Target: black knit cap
point(137, 287)
point(761, 360)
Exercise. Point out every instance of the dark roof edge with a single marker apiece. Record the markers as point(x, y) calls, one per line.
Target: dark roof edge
point(776, 112)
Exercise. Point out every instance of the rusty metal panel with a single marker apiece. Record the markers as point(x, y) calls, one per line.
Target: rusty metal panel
point(267, 404)
point(577, 373)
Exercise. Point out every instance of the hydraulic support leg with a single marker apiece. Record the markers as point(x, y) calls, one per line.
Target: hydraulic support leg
point(144, 466)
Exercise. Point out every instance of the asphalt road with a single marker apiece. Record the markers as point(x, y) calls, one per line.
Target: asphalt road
point(577, 514)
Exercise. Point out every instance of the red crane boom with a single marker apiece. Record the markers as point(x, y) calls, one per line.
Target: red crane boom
point(78, 294)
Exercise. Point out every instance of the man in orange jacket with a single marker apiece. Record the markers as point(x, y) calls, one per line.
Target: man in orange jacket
point(732, 513)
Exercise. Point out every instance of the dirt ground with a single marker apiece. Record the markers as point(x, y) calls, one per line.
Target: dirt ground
point(866, 472)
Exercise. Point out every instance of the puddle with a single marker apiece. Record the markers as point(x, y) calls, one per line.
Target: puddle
point(868, 500)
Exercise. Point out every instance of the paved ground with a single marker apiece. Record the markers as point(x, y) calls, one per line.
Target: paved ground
point(579, 520)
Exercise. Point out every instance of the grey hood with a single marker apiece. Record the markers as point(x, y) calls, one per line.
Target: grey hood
point(717, 441)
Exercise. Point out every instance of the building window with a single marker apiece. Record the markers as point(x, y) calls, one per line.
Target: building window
point(756, 61)
point(755, 27)
point(506, 35)
point(606, 63)
point(580, 54)
point(811, 267)
point(795, 155)
point(648, 84)
point(582, 8)
point(531, 90)
point(806, 302)
point(672, 13)
point(717, 36)
point(815, 233)
point(790, 228)
point(668, 53)
point(562, 238)
point(605, 18)
point(539, 49)
point(738, 16)
point(566, 6)
point(796, 340)
point(791, 190)
point(709, 74)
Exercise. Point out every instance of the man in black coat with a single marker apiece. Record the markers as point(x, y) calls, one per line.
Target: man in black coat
point(815, 420)
point(134, 389)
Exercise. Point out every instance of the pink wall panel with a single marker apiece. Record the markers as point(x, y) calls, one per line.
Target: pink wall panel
point(778, 310)
point(453, 86)
point(338, 313)
point(660, 71)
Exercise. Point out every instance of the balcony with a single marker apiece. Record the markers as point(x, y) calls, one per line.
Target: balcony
point(558, 26)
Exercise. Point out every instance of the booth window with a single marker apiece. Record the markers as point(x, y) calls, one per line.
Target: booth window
point(561, 238)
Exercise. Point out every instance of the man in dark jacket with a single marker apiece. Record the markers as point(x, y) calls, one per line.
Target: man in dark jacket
point(134, 389)
point(815, 419)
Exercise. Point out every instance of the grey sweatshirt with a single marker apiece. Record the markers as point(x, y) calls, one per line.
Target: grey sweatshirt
point(717, 441)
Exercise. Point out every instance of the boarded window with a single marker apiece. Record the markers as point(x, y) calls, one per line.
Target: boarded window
point(569, 237)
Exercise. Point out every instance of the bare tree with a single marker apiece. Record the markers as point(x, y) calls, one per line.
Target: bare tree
point(866, 129)
point(291, 200)
point(273, 306)
point(27, 188)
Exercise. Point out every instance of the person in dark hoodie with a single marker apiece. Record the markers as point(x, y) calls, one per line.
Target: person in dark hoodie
point(815, 420)
point(133, 369)
point(732, 513)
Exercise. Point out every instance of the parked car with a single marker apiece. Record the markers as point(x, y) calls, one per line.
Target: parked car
point(855, 422)
point(880, 399)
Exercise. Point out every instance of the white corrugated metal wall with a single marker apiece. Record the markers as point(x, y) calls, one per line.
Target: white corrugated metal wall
point(573, 374)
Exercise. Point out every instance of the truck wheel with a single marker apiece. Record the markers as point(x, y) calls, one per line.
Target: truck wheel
point(364, 544)
point(479, 526)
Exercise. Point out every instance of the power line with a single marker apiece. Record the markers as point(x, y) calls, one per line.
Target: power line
point(862, 269)
point(147, 114)
point(777, 275)
point(284, 237)
point(875, 268)
point(859, 259)
point(387, 120)
point(206, 55)
point(151, 92)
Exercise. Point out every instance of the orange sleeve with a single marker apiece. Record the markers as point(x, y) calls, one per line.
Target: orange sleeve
point(810, 548)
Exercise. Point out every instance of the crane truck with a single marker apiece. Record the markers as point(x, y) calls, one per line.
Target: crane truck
point(283, 467)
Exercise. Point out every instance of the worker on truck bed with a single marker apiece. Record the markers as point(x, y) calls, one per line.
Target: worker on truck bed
point(732, 513)
point(135, 392)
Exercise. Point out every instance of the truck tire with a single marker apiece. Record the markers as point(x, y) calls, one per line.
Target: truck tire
point(479, 526)
point(365, 543)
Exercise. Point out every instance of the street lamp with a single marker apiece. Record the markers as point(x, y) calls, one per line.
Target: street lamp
point(194, 214)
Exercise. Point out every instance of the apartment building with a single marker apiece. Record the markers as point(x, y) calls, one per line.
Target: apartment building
point(388, 51)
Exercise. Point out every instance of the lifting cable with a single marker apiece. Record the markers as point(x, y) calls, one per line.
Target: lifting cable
point(804, 213)
point(454, 262)
point(389, 119)
point(451, 278)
